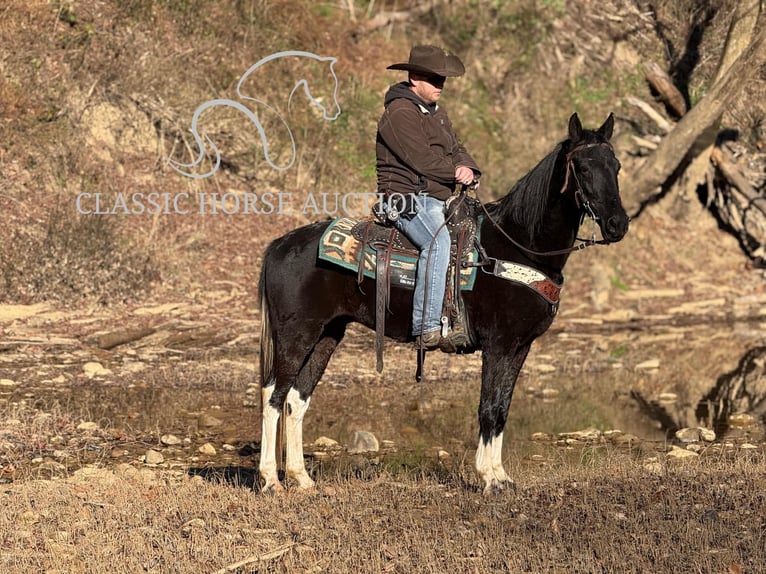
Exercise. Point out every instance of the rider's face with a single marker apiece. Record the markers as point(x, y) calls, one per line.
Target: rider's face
point(427, 87)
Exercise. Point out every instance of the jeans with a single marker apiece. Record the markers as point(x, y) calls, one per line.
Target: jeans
point(433, 262)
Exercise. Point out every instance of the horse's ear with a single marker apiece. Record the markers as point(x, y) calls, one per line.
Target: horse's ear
point(608, 127)
point(575, 128)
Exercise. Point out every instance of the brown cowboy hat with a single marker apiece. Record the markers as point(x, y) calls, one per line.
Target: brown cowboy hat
point(432, 61)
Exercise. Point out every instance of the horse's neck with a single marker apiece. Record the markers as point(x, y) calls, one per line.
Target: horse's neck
point(555, 226)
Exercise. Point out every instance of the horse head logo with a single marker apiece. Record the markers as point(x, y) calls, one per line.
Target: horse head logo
point(329, 113)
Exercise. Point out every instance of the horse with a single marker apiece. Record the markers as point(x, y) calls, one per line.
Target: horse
point(306, 304)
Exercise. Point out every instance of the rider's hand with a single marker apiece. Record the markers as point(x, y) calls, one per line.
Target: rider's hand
point(464, 175)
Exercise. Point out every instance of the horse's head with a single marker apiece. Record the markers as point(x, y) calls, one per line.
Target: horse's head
point(591, 178)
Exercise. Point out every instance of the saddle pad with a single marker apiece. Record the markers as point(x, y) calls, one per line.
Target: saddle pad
point(340, 247)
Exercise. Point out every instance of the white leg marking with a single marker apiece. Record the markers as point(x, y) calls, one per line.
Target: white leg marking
point(296, 409)
point(268, 463)
point(497, 459)
point(484, 462)
point(489, 463)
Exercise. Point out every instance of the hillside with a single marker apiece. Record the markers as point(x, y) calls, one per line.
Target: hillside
point(98, 96)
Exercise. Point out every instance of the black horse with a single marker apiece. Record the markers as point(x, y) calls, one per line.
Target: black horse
point(306, 305)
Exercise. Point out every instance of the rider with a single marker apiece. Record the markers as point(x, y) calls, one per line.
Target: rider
point(420, 162)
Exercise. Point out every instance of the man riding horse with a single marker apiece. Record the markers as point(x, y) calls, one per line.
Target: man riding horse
point(420, 162)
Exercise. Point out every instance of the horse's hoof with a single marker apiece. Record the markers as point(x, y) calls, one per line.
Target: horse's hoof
point(273, 488)
point(498, 487)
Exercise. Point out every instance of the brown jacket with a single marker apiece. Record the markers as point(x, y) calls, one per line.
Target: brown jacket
point(417, 149)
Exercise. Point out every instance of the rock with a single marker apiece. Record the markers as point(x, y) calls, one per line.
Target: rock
point(207, 449)
point(695, 434)
point(545, 368)
point(677, 453)
point(707, 435)
point(87, 426)
point(92, 474)
point(649, 365)
point(550, 393)
point(8, 383)
point(325, 442)
point(153, 457)
point(363, 441)
point(93, 369)
point(742, 420)
point(688, 435)
point(583, 435)
point(228, 447)
point(747, 446)
point(170, 440)
point(208, 421)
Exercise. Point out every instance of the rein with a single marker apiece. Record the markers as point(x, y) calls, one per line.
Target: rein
point(580, 198)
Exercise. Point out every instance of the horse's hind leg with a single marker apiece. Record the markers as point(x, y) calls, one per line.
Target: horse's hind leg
point(298, 398)
point(293, 372)
point(498, 378)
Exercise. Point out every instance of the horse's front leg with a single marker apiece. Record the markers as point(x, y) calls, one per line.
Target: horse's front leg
point(499, 372)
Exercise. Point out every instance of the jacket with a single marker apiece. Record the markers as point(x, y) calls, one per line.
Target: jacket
point(417, 149)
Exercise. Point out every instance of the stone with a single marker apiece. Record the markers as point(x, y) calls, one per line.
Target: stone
point(677, 453)
point(207, 449)
point(363, 441)
point(325, 442)
point(87, 426)
point(742, 420)
point(153, 457)
point(170, 440)
point(707, 435)
point(649, 365)
point(208, 421)
point(93, 369)
point(688, 435)
point(583, 435)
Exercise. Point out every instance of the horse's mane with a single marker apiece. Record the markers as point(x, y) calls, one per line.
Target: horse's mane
point(526, 203)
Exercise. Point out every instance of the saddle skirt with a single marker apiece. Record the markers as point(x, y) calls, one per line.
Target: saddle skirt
point(346, 240)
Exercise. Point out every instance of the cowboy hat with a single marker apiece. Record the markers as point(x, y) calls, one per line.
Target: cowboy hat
point(431, 60)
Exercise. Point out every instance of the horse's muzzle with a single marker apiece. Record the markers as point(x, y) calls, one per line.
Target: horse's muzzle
point(615, 228)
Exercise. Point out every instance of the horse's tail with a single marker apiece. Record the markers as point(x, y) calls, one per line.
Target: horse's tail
point(267, 337)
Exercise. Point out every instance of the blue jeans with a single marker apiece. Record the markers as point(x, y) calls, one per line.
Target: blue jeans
point(431, 277)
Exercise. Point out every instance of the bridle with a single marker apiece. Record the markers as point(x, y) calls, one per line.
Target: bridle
point(581, 201)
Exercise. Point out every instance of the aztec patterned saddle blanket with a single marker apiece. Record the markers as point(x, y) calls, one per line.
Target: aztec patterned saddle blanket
point(350, 243)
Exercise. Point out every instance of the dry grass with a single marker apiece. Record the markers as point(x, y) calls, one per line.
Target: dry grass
point(608, 515)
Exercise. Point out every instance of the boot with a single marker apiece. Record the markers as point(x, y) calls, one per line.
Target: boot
point(428, 341)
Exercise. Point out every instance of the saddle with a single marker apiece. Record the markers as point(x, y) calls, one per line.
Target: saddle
point(387, 242)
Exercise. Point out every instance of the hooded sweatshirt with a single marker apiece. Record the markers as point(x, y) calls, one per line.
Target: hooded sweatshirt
point(416, 147)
